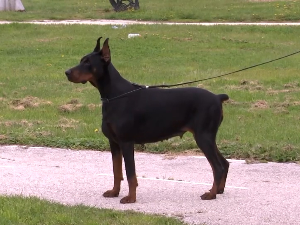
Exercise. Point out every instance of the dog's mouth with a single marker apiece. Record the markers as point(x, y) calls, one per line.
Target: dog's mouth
point(73, 78)
point(74, 81)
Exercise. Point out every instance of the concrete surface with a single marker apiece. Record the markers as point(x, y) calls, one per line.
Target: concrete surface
point(130, 22)
point(266, 193)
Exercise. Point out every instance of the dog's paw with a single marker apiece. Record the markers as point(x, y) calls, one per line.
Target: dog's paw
point(111, 194)
point(220, 191)
point(208, 196)
point(128, 199)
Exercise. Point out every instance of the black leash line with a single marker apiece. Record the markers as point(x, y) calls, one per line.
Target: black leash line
point(222, 75)
point(122, 95)
point(195, 81)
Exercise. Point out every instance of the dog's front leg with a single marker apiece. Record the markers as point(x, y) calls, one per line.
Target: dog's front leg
point(128, 155)
point(117, 169)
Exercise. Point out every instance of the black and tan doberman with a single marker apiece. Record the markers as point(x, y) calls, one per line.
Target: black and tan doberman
point(134, 114)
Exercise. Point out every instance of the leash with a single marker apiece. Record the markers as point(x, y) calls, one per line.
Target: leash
point(106, 100)
point(222, 75)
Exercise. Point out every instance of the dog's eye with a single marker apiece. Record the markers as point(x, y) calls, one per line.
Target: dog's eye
point(86, 63)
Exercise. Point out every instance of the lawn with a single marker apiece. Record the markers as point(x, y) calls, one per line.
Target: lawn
point(33, 211)
point(40, 107)
point(175, 10)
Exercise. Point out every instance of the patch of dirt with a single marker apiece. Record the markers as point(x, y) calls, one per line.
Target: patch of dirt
point(293, 84)
point(296, 103)
point(2, 137)
point(288, 148)
point(71, 106)
point(260, 104)
point(282, 107)
point(288, 87)
point(25, 123)
point(277, 107)
point(28, 102)
point(22, 123)
point(275, 92)
point(93, 106)
point(7, 123)
point(247, 85)
point(73, 101)
point(281, 110)
point(284, 104)
point(65, 123)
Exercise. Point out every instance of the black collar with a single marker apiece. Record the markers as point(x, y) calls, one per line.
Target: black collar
point(107, 100)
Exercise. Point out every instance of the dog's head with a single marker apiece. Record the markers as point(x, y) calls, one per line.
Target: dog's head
point(92, 66)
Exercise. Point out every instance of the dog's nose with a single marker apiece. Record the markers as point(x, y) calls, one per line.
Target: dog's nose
point(68, 72)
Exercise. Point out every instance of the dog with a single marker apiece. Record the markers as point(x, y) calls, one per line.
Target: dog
point(134, 114)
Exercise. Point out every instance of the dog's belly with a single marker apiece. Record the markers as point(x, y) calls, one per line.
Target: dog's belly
point(148, 126)
point(154, 138)
point(150, 132)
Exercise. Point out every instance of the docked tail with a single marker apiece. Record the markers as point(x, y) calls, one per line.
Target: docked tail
point(223, 97)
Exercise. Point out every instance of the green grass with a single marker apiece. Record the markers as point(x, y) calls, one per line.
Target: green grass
point(175, 10)
point(33, 211)
point(40, 107)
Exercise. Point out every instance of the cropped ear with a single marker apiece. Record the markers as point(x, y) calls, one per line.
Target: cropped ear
point(97, 48)
point(106, 52)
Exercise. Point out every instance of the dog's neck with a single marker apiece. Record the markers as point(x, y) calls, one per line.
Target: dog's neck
point(113, 84)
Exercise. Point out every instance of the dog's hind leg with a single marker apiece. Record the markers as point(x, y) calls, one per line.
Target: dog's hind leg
point(117, 169)
point(128, 155)
point(225, 164)
point(206, 142)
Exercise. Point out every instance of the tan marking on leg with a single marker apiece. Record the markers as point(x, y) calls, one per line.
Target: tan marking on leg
point(118, 177)
point(213, 191)
point(131, 198)
point(118, 173)
point(225, 164)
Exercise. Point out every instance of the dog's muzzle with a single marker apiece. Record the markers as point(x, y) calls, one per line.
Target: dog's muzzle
point(68, 73)
point(69, 76)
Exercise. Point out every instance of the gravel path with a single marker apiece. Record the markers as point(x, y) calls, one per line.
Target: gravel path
point(265, 193)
